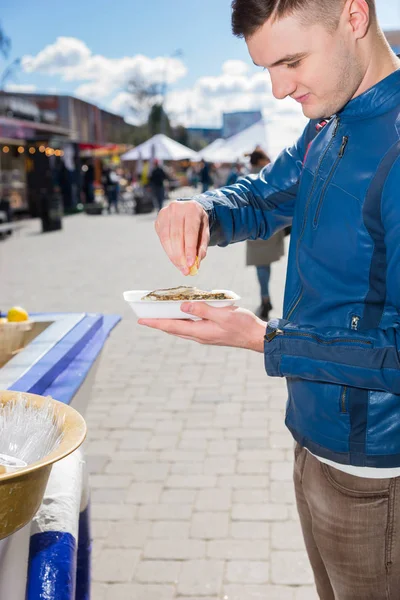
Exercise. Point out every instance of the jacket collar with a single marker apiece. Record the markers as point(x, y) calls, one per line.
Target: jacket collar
point(379, 99)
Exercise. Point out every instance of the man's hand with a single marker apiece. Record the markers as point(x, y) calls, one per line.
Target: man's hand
point(184, 233)
point(230, 326)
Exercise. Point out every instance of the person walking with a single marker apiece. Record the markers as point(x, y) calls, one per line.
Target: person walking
point(111, 182)
point(262, 253)
point(157, 178)
point(338, 342)
point(205, 176)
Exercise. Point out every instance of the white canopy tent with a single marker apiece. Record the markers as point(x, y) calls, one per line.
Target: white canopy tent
point(209, 152)
point(272, 135)
point(160, 147)
point(236, 147)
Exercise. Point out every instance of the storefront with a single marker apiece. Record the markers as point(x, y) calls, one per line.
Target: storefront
point(29, 135)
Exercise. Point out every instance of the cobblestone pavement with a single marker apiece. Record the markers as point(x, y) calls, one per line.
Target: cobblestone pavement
point(190, 460)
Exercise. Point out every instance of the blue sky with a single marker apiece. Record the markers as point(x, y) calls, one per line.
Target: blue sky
point(127, 28)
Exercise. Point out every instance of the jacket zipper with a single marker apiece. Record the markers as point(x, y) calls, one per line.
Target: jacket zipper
point(291, 311)
point(270, 336)
point(327, 182)
point(355, 319)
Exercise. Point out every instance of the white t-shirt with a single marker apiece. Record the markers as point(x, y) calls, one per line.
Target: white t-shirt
point(368, 472)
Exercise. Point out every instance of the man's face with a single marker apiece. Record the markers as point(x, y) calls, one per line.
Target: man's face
point(319, 69)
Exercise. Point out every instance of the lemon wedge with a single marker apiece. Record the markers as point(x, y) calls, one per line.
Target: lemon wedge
point(194, 269)
point(17, 314)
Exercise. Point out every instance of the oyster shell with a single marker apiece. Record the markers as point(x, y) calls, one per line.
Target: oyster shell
point(183, 293)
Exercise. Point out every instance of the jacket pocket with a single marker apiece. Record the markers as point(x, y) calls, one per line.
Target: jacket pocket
point(328, 180)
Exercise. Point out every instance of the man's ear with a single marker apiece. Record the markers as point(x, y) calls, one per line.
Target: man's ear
point(358, 15)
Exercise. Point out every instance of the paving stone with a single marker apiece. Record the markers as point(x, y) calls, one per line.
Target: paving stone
point(281, 471)
point(253, 467)
point(281, 441)
point(259, 512)
point(175, 456)
point(250, 496)
point(219, 465)
point(115, 565)
point(243, 481)
point(165, 512)
point(224, 448)
point(306, 593)
point(144, 493)
point(247, 571)
point(238, 549)
point(250, 530)
point(187, 468)
point(104, 447)
point(140, 592)
point(192, 482)
point(291, 568)
point(257, 592)
point(127, 534)
point(113, 512)
point(287, 536)
point(110, 481)
point(178, 496)
point(170, 530)
point(108, 496)
point(214, 500)
point(158, 571)
point(282, 492)
point(208, 525)
point(201, 577)
point(98, 590)
point(175, 549)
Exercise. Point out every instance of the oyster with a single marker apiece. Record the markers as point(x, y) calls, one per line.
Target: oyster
point(185, 293)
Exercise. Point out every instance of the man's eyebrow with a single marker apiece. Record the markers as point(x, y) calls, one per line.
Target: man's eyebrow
point(286, 59)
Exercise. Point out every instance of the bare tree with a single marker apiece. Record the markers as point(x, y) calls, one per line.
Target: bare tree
point(144, 96)
point(5, 44)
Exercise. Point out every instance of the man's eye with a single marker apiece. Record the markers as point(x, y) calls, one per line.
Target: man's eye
point(293, 65)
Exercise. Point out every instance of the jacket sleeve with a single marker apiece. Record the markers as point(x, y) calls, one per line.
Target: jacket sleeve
point(366, 359)
point(258, 206)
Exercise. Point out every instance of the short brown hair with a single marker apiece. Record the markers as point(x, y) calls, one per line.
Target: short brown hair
point(249, 15)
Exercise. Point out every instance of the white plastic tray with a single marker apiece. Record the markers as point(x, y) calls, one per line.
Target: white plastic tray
point(169, 309)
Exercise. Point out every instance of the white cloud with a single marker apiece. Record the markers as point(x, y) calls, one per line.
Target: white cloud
point(235, 89)
point(64, 54)
point(104, 80)
point(20, 87)
point(71, 59)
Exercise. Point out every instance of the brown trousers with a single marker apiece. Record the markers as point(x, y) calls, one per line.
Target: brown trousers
point(351, 528)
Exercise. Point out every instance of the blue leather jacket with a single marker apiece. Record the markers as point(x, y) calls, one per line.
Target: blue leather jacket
point(338, 342)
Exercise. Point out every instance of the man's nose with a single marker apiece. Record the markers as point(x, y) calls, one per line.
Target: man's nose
point(282, 86)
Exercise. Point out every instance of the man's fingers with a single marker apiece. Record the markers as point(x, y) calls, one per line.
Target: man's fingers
point(191, 235)
point(179, 327)
point(204, 239)
point(177, 241)
point(184, 233)
point(205, 311)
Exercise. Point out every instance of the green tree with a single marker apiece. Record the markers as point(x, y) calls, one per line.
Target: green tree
point(158, 121)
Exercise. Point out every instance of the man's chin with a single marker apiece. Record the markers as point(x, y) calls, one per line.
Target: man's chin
point(313, 112)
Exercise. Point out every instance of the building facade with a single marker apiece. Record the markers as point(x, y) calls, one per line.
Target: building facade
point(41, 134)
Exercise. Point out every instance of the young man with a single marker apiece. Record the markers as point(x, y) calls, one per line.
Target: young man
point(337, 344)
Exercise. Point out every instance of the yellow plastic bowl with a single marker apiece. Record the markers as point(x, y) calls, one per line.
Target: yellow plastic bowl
point(21, 492)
